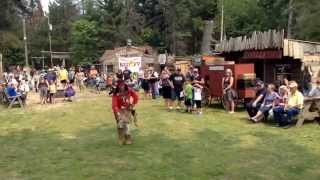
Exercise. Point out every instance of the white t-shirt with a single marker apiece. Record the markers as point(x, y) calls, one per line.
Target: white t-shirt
point(197, 94)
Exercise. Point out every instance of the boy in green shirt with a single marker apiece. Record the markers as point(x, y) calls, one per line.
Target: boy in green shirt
point(188, 92)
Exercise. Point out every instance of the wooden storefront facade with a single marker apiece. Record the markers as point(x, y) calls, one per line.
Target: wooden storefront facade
point(274, 56)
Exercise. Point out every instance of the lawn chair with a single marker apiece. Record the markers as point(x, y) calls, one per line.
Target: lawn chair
point(12, 100)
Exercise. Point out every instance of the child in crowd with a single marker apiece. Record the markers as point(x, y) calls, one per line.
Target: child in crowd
point(69, 92)
point(282, 99)
point(52, 91)
point(198, 97)
point(188, 92)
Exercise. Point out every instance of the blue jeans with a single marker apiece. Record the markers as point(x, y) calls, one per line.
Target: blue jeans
point(284, 117)
point(252, 111)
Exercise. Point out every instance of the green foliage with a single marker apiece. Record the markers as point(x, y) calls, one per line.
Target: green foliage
point(308, 21)
point(62, 14)
point(84, 41)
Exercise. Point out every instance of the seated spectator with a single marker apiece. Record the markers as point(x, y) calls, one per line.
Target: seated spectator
point(69, 92)
point(283, 115)
point(315, 92)
point(282, 99)
point(267, 104)
point(253, 106)
point(11, 90)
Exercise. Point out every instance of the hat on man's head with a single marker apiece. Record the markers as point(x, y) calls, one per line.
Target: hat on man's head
point(293, 84)
point(259, 83)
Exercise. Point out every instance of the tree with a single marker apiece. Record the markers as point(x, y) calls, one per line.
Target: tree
point(84, 41)
point(62, 15)
point(307, 20)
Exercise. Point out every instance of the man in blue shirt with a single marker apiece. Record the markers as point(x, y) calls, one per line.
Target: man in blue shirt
point(253, 106)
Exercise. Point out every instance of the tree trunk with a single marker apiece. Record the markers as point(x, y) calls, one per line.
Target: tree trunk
point(290, 19)
point(207, 38)
point(1, 68)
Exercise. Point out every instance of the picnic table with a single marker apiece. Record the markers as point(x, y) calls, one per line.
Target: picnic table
point(306, 113)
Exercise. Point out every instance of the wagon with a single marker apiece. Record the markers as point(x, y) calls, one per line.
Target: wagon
point(244, 80)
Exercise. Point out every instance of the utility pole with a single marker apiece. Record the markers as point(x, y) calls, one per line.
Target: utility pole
point(222, 21)
point(290, 19)
point(50, 46)
point(25, 41)
point(1, 68)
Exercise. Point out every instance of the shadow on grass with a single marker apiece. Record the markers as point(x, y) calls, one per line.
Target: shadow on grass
point(95, 154)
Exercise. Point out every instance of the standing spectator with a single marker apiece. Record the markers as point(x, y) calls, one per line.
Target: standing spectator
point(52, 92)
point(100, 83)
point(43, 90)
point(196, 77)
point(127, 74)
point(189, 75)
point(71, 75)
point(153, 80)
point(188, 95)
point(63, 76)
point(24, 89)
point(267, 104)
point(119, 75)
point(92, 76)
point(178, 81)
point(80, 77)
point(140, 77)
point(109, 81)
point(283, 115)
point(197, 88)
point(145, 85)
point(167, 87)
point(253, 106)
point(51, 75)
point(229, 93)
point(35, 80)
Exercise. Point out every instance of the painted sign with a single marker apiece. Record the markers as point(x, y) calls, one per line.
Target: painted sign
point(216, 68)
point(133, 63)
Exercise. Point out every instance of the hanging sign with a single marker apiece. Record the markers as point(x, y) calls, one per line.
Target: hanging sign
point(133, 63)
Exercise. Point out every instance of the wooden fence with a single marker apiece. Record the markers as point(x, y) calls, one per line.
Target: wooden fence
point(271, 39)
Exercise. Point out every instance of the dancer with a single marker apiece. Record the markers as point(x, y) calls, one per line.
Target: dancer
point(124, 100)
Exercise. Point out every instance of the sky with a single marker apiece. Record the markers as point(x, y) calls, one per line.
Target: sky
point(45, 4)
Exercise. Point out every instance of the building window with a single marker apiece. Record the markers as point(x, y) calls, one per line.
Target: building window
point(109, 68)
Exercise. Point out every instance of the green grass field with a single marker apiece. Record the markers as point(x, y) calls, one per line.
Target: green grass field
point(77, 140)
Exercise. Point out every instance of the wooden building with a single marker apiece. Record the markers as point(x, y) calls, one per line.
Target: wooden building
point(274, 56)
point(110, 60)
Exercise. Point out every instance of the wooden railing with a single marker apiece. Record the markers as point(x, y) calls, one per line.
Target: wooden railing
point(271, 39)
